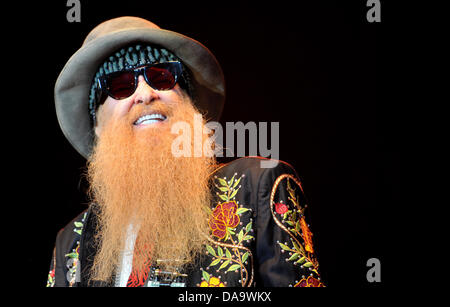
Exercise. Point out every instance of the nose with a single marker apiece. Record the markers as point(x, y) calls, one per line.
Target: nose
point(144, 92)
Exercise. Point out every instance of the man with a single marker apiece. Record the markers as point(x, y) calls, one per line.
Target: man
point(157, 218)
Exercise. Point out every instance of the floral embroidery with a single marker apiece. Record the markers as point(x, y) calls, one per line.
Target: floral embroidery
point(309, 282)
point(51, 274)
point(300, 249)
point(211, 281)
point(79, 226)
point(306, 235)
point(51, 278)
point(72, 258)
point(230, 255)
point(223, 218)
point(72, 262)
point(281, 208)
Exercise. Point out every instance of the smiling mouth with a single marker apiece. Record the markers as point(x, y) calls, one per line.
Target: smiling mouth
point(150, 119)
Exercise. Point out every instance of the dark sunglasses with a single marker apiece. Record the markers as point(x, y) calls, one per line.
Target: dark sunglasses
point(122, 84)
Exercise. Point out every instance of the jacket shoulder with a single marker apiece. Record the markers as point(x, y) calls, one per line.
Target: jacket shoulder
point(250, 182)
point(255, 164)
point(70, 232)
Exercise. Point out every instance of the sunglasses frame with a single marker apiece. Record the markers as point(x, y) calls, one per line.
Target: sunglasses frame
point(102, 87)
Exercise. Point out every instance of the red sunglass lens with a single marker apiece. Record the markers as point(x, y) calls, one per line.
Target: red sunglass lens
point(121, 85)
point(160, 78)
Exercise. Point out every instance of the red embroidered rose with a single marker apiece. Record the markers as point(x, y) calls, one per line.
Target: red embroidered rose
point(224, 216)
point(281, 208)
point(309, 282)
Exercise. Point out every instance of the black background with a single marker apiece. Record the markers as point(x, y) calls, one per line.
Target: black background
point(317, 67)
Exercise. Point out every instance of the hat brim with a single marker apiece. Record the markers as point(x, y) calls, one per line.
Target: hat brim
point(74, 82)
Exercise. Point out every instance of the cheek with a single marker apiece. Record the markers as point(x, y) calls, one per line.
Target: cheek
point(104, 114)
point(113, 107)
point(174, 97)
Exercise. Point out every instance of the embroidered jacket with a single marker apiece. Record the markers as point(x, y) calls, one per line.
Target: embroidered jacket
point(259, 236)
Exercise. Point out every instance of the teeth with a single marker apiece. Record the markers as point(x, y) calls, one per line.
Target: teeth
point(150, 119)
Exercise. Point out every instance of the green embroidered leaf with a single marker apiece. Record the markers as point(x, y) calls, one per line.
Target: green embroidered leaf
point(231, 180)
point(296, 247)
point(248, 227)
point(241, 210)
point(234, 267)
point(236, 182)
point(211, 250)
point(297, 226)
point(294, 215)
point(223, 189)
point(308, 264)
point(78, 231)
point(206, 276)
point(78, 224)
point(223, 197)
point(294, 257)
point(215, 262)
point(227, 253)
point(240, 235)
point(222, 182)
point(219, 251)
point(72, 255)
point(301, 260)
point(231, 232)
point(233, 194)
point(289, 223)
point(285, 247)
point(244, 257)
point(224, 264)
point(248, 237)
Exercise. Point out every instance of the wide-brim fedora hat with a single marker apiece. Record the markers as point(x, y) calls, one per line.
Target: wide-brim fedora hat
point(74, 82)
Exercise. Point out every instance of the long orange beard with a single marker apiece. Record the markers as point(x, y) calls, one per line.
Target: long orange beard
point(135, 179)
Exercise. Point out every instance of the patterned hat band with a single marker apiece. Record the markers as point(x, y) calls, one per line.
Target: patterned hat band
point(129, 58)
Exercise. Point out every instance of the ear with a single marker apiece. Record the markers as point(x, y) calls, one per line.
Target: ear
point(97, 127)
point(97, 130)
point(97, 121)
